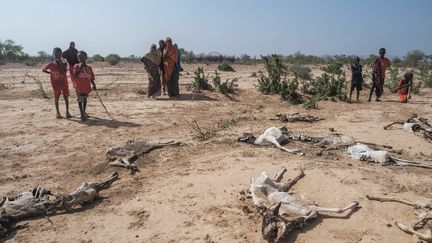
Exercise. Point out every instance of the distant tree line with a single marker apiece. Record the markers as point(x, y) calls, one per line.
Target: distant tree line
point(12, 52)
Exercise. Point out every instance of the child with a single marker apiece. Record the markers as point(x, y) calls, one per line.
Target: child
point(57, 71)
point(404, 87)
point(83, 77)
point(357, 77)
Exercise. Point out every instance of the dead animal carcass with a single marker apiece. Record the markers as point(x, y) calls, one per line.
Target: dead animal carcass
point(40, 201)
point(126, 155)
point(423, 213)
point(282, 212)
point(297, 117)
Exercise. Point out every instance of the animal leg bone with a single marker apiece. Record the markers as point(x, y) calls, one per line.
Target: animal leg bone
point(280, 174)
point(286, 186)
point(334, 210)
point(410, 229)
point(393, 123)
point(275, 142)
point(402, 162)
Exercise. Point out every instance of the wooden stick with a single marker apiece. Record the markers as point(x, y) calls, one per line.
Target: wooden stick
point(103, 105)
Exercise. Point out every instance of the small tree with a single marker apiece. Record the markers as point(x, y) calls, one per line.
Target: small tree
point(113, 59)
point(98, 58)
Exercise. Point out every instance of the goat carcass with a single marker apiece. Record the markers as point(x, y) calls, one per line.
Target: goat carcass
point(282, 211)
point(271, 136)
point(40, 201)
point(423, 213)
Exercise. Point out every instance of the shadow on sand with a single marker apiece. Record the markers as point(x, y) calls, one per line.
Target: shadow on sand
point(189, 97)
point(292, 237)
point(97, 121)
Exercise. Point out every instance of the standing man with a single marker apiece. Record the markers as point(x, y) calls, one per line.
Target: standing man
point(71, 56)
point(378, 75)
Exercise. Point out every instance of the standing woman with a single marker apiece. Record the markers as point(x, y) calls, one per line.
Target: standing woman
point(170, 60)
point(161, 50)
point(151, 61)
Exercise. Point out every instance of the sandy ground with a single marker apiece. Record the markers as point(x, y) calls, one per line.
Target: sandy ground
point(190, 193)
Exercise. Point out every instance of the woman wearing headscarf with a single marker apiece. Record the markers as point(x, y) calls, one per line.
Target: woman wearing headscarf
point(170, 60)
point(151, 61)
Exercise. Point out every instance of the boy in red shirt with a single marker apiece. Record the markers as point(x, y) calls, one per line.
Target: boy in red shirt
point(83, 77)
point(57, 71)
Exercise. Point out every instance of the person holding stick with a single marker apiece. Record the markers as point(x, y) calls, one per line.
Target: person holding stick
point(83, 77)
point(404, 87)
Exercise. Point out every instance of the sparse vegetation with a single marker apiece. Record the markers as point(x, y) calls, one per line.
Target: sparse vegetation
point(227, 87)
point(113, 59)
point(276, 81)
point(425, 75)
point(253, 75)
point(98, 58)
point(311, 104)
point(331, 84)
point(200, 81)
point(393, 81)
point(225, 67)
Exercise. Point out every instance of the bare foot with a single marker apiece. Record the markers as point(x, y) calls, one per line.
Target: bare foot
point(68, 115)
point(59, 116)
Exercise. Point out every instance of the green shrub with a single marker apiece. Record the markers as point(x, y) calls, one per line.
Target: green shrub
point(416, 88)
point(225, 67)
point(289, 92)
point(200, 81)
point(98, 58)
point(425, 76)
point(331, 84)
point(113, 59)
point(276, 74)
point(393, 81)
point(300, 72)
point(229, 86)
point(311, 104)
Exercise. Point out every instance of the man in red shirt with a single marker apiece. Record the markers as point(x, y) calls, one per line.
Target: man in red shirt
point(57, 71)
point(378, 75)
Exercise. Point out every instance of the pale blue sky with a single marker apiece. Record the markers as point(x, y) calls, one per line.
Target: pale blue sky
point(228, 26)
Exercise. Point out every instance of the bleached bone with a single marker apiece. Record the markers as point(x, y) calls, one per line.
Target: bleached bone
point(40, 201)
point(283, 211)
point(125, 155)
point(271, 136)
point(424, 216)
point(297, 117)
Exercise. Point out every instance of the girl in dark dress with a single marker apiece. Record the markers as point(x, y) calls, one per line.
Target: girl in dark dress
point(151, 62)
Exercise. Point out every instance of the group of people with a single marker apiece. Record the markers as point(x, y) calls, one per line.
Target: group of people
point(163, 65)
point(379, 68)
point(81, 75)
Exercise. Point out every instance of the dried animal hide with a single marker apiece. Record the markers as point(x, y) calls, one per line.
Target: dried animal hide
point(126, 155)
point(364, 153)
point(298, 117)
point(40, 201)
